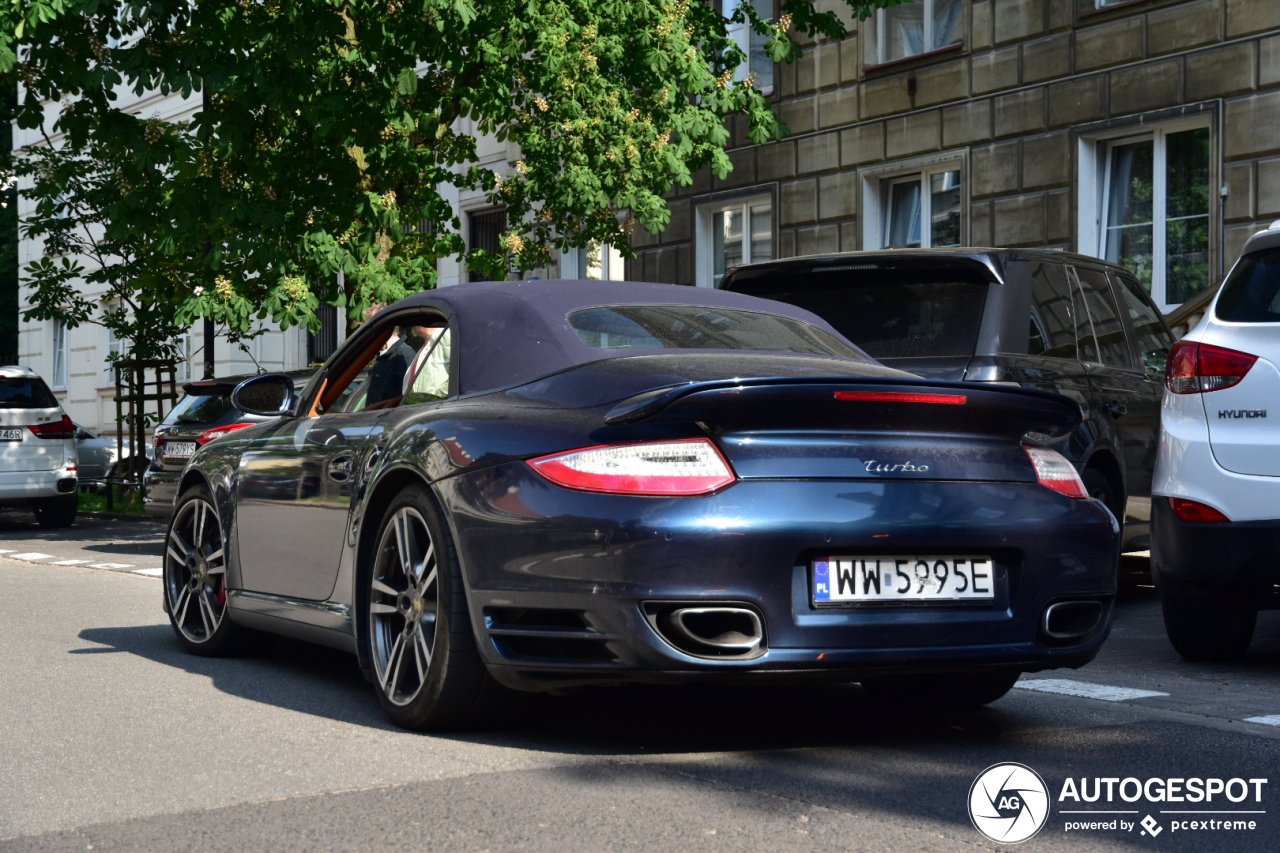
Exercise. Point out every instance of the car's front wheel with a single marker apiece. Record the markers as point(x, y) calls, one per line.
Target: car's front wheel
point(950, 690)
point(1207, 625)
point(425, 663)
point(195, 577)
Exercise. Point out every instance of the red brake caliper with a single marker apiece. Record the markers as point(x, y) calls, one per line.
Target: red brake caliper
point(222, 595)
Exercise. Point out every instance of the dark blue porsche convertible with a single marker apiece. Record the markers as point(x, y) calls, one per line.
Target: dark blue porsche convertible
point(546, 484)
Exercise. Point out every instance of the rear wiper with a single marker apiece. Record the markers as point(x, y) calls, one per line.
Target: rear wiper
point(188, 419)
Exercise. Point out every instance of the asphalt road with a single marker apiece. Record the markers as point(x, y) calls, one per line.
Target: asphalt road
point(112, 738)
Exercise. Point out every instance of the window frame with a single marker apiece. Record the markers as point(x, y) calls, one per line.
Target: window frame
point(1095, 150)
point(573, 260)
point(60, 373)
point(740, 34)
point(878, 181)
point(704, 253)
point(879, 43)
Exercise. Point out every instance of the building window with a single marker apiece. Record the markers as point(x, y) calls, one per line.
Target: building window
point(596, 261)
point(914, 205)
point(485, 232)
point(918, 27)
point(758, 63)
point(732, 234)
point(323, 343)
point(59, 354)
point(1156, 212)
point(922, 210)
point(1152, 211)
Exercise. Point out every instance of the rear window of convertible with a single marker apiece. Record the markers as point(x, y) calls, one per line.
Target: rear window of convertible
point(695, 327)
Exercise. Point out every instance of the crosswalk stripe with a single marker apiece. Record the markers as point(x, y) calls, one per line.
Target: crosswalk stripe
point(151, 573)
point(111, 565)
point(1086, 690)
point(1270, 720)
point(71, 562)
point(32, 555)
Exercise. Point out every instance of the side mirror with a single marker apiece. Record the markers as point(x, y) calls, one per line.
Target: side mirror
point(270, 395)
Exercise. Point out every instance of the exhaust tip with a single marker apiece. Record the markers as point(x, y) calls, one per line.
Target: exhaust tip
point(1066, 622)
point(726, 631)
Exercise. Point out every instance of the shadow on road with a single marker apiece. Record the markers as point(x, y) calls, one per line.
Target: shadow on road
point(108, 536)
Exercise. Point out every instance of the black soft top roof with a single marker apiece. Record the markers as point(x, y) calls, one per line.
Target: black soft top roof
point(509, 333)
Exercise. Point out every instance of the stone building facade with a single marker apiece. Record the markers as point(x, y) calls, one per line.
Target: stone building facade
point(1147, 131)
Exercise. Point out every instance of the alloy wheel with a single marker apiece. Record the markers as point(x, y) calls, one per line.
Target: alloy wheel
point(404, 605)
point(196, 571)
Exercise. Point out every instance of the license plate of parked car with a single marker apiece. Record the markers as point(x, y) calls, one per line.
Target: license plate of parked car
point(10, 435)
point(179, 449)
point(839, 580)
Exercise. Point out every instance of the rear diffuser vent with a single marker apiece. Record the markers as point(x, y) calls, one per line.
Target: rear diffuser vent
point(544, 635)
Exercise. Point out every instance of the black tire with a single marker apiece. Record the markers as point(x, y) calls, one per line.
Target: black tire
point(57, 512)
point(946, 690)
point(1099, 487)
point(195, 573)
point(1208, 626)
point(415, 626)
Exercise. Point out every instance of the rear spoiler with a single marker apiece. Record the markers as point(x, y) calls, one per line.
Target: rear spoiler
point(979, 265)
point(882, 404)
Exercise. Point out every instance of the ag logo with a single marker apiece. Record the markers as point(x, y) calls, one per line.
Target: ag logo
point(1008, 803)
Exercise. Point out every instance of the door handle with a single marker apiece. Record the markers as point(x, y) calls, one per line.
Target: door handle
point(339, 468)
point(326, 437)
point(1114, 409)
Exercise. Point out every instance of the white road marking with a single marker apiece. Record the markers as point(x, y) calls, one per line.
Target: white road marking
point(111, 565)
point(1272, 720)
point(1067, 687)
point(151, 573)
point(5, 552)
point(32, 555)
point(71, 562)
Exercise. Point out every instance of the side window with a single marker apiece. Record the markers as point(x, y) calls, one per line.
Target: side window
point(427, 378)
point(1052, 329)
point(1153, 339)
point(1105, 342)
point(384, 372)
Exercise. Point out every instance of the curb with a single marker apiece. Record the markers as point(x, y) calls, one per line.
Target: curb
point(120, 516)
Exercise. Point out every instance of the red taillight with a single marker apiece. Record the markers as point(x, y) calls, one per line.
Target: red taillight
point(1054, 471)
point(1196, 368)
point(55, 429)
point(1194, 512)
point(218, 432)
point(685, 467)
point(902, 397)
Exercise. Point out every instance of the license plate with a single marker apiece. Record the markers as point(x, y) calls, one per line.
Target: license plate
point(10, 435)
point(839, 580)
point(179, 449)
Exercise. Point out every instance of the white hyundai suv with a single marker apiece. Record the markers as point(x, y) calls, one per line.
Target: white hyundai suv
point(38, 457)
point(1215, 514)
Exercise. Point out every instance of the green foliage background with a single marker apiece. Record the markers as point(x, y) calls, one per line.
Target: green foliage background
point(329, 128)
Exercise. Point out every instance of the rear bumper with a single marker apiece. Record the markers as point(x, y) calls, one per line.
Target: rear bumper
point(1242, 555)
point(19, 487)
point(587, 565)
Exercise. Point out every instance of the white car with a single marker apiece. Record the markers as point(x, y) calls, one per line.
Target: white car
point(38, 457)
point(1215, 538)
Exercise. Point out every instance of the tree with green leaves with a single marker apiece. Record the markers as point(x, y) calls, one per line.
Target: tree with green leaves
point(329, 129)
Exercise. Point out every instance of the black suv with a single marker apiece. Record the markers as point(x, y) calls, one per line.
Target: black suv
point(1039, 318)
point(204, 414)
